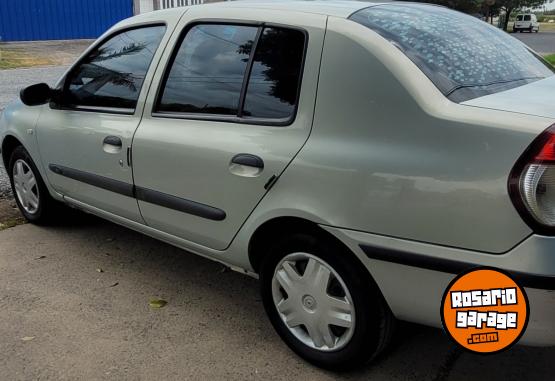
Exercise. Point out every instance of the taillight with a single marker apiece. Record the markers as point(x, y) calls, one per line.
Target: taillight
point(532, 183)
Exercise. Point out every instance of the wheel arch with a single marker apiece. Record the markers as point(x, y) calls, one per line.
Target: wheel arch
point(277, 227)
point(9, 143)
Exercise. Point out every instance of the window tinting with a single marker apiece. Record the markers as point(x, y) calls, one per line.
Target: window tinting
point(527, 18)
point(273, 85)
point(112, 75)
point(464, 57)
point(207, 73)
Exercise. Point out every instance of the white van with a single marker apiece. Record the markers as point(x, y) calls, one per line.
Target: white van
point(526, 21)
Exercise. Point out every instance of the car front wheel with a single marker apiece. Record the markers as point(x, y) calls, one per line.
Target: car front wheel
point(30, 192)
point(323, 303)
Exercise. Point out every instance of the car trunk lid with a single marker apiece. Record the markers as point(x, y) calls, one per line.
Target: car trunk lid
point(537, 98)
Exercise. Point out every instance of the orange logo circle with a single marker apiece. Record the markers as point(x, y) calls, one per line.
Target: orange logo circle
point(485, 310)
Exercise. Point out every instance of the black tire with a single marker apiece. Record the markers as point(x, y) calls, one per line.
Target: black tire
point(374, 321)
point(47, 206)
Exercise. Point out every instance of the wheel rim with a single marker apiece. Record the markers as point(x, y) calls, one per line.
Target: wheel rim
point(313, 302)
point(26, 187)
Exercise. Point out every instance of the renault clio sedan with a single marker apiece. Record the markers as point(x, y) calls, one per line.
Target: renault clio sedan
point(354, 156)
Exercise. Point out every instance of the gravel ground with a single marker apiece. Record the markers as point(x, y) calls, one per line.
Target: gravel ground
point(11, 82)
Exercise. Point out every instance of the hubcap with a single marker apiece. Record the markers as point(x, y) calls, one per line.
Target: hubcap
point(26, 188)
point(313, 302)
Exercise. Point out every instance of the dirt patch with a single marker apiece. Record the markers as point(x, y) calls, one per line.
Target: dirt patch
point(9, 214)
point(40, 53)
point(14, 58)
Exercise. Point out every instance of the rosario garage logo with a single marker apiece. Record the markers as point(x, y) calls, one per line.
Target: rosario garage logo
point(485, 311)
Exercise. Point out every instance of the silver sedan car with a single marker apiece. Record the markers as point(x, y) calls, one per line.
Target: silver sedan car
point(354, 156)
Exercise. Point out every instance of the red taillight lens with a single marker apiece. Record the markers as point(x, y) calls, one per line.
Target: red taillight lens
point(547, 152)
point(532, 183)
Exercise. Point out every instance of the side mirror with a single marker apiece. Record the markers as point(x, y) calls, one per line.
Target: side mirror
point(36, 95)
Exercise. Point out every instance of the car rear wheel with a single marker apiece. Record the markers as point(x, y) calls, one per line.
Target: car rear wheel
point(324, 304)
point(30, 192)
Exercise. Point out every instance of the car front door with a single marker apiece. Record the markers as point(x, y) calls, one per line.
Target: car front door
point(234, 106)
point(85, 134)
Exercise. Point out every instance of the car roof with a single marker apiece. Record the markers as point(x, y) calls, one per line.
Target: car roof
point(337, 8)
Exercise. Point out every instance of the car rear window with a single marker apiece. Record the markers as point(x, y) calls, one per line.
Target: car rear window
point(527, 18)
point(519, 18)
point(463, 56)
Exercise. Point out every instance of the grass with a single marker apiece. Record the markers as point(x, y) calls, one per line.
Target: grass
point(545, 26)
point(11, 222)
point(12, 58)
point(551, 59)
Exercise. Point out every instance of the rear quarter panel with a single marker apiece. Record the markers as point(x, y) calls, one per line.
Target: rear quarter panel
point(390, 155)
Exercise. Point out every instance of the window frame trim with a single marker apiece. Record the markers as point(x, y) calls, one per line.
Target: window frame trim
point(55, 105)
point(238, 118)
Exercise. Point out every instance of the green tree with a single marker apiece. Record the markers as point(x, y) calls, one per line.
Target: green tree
point(509, 6)
point(467, 6)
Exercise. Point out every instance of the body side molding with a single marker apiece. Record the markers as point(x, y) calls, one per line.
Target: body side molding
point(531, 280)
point(143, 194)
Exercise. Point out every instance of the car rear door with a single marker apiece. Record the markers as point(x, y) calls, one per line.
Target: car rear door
point(234, 106)
point(85, 134)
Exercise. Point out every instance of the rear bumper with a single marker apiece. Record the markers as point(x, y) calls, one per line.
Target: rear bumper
point(541, 327)
point(413, 276)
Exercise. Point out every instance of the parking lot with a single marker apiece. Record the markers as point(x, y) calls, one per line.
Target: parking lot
point(74, 304)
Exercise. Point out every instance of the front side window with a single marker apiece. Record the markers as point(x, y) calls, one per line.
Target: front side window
point(463, 56)
point(240, 71)
point(112, 75)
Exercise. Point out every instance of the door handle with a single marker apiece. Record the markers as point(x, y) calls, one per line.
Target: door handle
point(246, 165)
point(112, 144)
point(248, 160)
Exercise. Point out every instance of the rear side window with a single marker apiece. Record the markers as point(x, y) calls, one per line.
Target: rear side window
point(207, 73)
point(112, 75)
point(240, 71)
point(273, 85)
point(464, 57)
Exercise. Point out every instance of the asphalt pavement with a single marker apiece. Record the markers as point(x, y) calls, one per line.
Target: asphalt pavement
point(543, 42)
point(74, 304)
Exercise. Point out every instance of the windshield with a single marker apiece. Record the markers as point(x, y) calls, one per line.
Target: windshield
point(463, 56)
